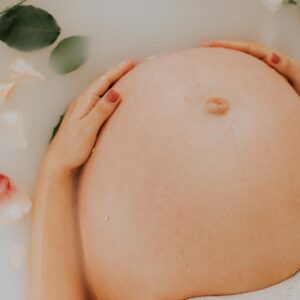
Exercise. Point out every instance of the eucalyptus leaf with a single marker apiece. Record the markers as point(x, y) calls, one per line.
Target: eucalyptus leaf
point(69, 54)
point(28, 28)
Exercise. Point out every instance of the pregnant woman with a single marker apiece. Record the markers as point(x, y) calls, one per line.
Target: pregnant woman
point(191, 188)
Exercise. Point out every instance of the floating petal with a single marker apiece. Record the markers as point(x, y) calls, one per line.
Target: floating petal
point(15, 202)
point(17, 207)
point(5, 186)
point(15, 120)
point(21, 69)
point(273, 5)
point(5, 91)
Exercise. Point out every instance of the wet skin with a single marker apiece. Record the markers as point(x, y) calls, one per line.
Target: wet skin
point(193, 188)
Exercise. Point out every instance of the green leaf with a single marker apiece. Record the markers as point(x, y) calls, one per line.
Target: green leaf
point(28, 28)
point(69, 54)
point(55, 129)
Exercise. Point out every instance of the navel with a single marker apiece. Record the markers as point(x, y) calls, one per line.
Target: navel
point(217, 106)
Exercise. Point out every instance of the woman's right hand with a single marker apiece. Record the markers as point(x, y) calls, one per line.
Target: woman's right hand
point(283, 64)
point(78, 132)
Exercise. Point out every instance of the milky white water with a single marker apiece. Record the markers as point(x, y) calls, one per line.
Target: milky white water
point(120, 29)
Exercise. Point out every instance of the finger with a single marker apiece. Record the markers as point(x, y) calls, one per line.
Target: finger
point(103, 109)
point(98, 87)
point(282, 63)
point(254, 49)
point(286, 66)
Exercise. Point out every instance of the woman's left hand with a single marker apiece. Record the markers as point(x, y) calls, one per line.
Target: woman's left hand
point(78, 132)
point(283, 64)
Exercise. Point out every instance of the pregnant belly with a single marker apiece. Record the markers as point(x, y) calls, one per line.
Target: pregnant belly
point(193, 188)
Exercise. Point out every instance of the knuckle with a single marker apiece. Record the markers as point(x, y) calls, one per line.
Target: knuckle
point(110, 79)
point(104, 80)
point(288, 66)
point(104, 109)
point(73, 104)
point(83, 131)
point(257, 46)
point(248, 47)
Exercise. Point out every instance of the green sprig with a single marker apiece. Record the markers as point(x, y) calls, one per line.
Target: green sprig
point(12, 7)
point(295, 2)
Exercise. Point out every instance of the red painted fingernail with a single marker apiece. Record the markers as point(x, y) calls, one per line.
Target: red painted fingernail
point(112, 96)
point(275, 59)
point(5, 185)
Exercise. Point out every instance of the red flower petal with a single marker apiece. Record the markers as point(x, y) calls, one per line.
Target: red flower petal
point(5, 185)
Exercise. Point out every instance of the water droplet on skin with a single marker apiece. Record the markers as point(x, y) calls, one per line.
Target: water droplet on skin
point(155, 56)
point(151, 57)
point(106, 218)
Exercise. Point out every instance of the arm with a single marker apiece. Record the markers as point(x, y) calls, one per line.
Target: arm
point(284, 65)
point(55, 268)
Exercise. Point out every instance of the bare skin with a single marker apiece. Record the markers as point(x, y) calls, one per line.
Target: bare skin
point(283, 64)
point(56, 271)
point(193, 186)
point(55, 259)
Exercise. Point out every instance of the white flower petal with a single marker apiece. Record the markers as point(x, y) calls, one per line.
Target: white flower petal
point(15, 121)
point(13, 213)
point(5, 91)
point(23, 201)
point(15, 207)
point(273, 5)
point(21, 69)
point(14, 202)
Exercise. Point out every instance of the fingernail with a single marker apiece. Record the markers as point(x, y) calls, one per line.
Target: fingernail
point(275, 59)
point(112, 96)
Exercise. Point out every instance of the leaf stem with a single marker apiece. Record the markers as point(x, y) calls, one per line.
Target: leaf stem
point(11, 7)
point(291, 2)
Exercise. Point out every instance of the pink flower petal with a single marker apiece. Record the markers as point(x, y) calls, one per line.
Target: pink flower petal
point(5, 186)
point(5, 91)
point(15, 204)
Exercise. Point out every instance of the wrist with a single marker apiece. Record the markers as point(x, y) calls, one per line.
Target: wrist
point(55, 169)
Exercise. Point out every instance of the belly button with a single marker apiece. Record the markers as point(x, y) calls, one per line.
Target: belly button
point(217, 106)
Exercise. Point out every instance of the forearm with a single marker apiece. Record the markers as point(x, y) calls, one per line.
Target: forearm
point(55, 269)
point(55, 261)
